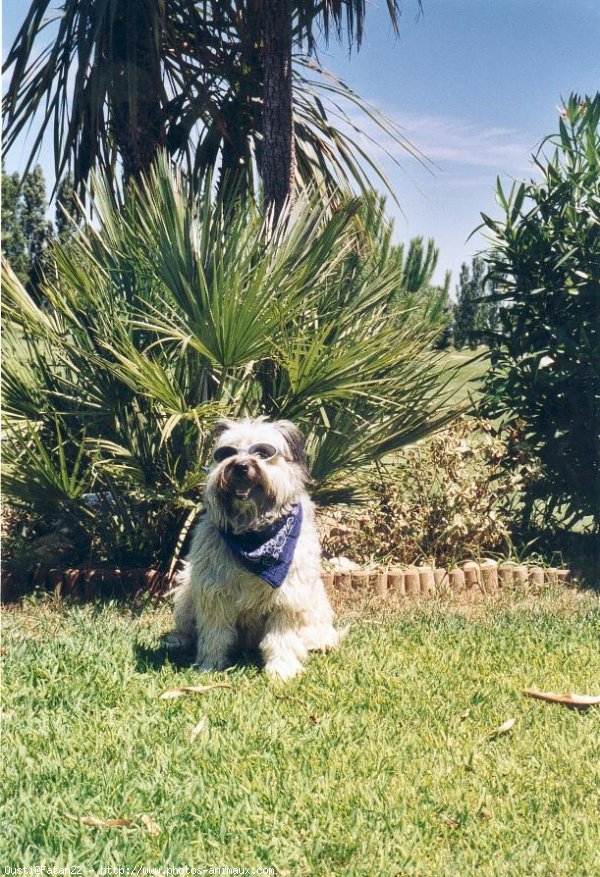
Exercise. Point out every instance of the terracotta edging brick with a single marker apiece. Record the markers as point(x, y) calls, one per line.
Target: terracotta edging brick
point(488, 576)
point(86, 583)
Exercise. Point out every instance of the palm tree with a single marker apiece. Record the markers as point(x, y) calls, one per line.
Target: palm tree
point(279, 160)
point(102, 80)
point(118, 81)
point(112, 386)
point(278, 37)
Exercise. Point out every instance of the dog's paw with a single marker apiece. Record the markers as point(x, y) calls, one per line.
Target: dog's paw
point(209, 666)
point(281, 668)
point(175, 641)
point(324, 639)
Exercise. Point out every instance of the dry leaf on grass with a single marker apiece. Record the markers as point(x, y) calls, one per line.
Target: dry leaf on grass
point(197, 729)
point(192, 689)
point(289, 697)
point(570, 699)
point(149, 824)
point(504, 728)
point(95, 822)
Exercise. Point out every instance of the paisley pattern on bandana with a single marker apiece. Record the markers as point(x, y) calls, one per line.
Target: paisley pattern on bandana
point(268, 553)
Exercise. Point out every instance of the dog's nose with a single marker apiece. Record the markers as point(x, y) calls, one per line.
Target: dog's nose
point(241, 468)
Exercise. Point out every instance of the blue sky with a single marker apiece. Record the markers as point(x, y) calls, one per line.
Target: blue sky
point(475, 85)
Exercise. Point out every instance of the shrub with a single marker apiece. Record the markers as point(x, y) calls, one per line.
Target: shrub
point(414, 294)
point(544, 380)
point(166, 313)
point(442, 500)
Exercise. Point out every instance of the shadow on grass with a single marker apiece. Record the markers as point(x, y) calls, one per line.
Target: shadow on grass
point(149, 660)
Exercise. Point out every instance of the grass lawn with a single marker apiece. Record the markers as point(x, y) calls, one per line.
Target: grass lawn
point(474, 364)
point(381, 759)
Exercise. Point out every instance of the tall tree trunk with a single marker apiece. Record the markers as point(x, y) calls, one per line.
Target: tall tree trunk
point(278, 155)
point(234, 175)
point(138, 117)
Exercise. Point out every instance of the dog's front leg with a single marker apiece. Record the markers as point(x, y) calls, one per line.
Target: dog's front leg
point(216, 634)
point(281, 648)
point(184, 614)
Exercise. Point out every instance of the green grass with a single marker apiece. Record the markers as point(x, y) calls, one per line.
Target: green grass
point(473, 364)
point(379, 760)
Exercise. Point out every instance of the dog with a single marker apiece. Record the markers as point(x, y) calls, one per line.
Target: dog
point(252, 575)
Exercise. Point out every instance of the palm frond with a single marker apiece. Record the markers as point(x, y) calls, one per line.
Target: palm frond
point(112, 82)
point(159, 316)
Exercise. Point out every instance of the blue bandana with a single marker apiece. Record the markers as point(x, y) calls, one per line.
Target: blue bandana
point(268, 553)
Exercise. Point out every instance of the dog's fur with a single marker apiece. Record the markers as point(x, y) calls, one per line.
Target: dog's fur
point(219, 602)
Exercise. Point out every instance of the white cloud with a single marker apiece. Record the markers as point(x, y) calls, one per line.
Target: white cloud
point(446, 204)
point(453, 140)
point(447, 140)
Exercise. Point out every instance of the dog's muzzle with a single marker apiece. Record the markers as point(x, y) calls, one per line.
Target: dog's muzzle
point(240, 477)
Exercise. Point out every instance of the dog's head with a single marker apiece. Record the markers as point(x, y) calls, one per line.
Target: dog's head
point(258, 472)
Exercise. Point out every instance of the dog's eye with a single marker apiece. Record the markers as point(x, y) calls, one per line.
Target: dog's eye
point(265, 452)
point(222, 453)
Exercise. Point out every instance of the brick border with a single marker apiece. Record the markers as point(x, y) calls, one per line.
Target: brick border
point(86, 583)
point(488, 576)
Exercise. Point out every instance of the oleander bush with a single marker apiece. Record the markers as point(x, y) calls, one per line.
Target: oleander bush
point(543, 386)
point(166, 311)
point(444, 499)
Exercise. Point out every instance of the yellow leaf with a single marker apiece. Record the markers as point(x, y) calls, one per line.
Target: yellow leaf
point(197, 729)
point(570, 699)
point(192, 689)
point(503, 729)
point(150, 826)
point(95, 822)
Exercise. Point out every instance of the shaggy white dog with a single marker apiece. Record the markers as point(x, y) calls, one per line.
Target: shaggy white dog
point(252, 576)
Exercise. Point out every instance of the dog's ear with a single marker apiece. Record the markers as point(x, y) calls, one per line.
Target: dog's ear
point(294, 439)
point(218, 429)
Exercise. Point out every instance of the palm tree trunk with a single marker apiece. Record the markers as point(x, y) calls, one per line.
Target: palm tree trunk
point(234, 180)
point(278, 156)
point(138, 117)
